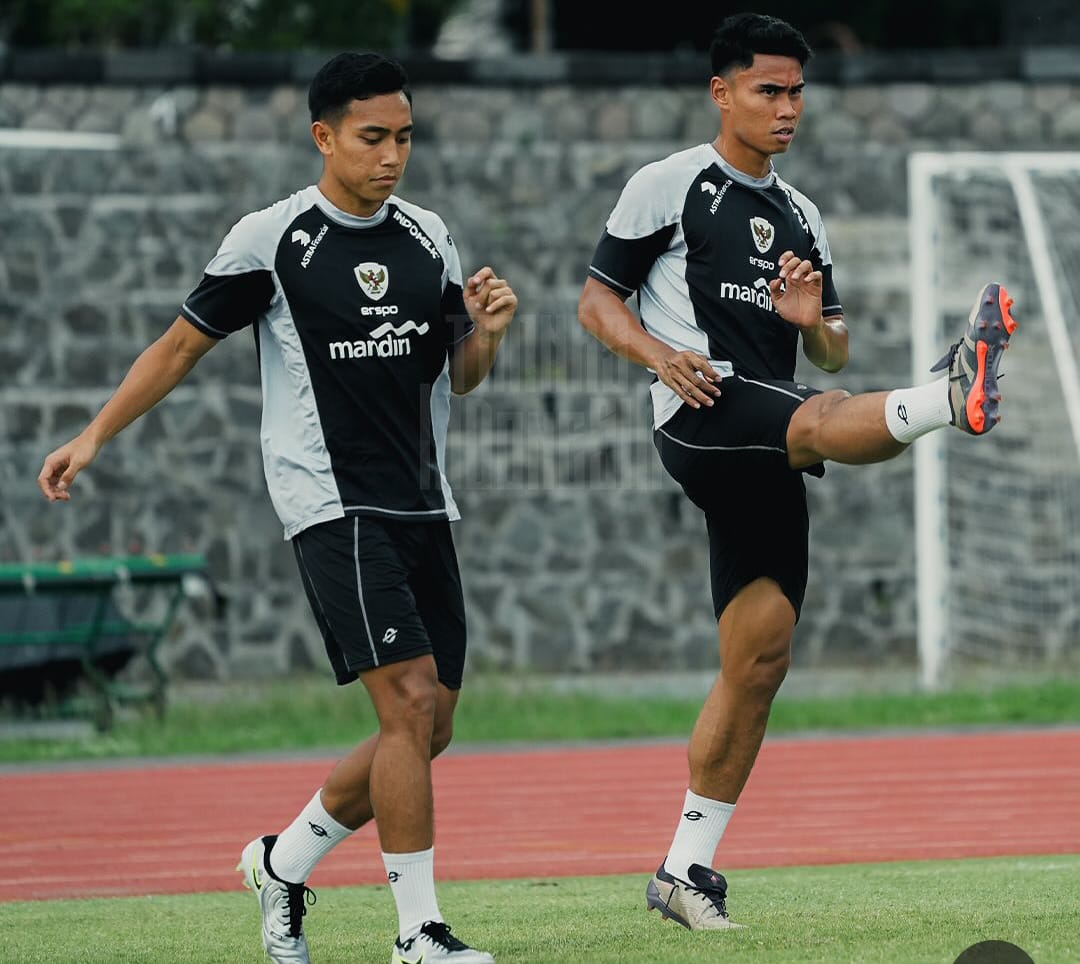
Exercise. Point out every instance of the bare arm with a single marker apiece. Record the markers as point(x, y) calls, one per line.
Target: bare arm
point(826, 345)
point(796, 294)
point(154, 374)
point(605, 316)
point(491, 304)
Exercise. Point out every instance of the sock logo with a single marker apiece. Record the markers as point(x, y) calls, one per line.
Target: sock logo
point(317, 830)
point(393, 876)
point(901, 412)
point(694, 815)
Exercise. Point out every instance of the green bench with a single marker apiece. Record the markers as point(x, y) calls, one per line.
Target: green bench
point(52, 613)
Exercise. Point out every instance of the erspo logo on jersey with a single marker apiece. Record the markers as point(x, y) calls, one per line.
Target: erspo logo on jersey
point(756, 294)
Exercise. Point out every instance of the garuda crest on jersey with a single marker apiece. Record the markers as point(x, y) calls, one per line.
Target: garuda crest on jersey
point(373, 278)
point(762, 233)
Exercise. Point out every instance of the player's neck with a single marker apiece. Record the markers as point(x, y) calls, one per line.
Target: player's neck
point(743, 158)
point(336, 193)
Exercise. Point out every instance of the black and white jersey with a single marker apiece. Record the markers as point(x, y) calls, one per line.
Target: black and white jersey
point(355, 319)
point(698, 240)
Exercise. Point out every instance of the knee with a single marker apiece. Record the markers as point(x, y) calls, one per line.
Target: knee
point(768, 672)
point(412, 708)
point(805, 427)
point(441, 735)
point(759, 675)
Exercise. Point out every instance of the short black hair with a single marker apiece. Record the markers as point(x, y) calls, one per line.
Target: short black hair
point(353, 76)
point(742, 35)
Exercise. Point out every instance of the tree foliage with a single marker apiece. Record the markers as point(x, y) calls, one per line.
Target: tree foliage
point(224, 24)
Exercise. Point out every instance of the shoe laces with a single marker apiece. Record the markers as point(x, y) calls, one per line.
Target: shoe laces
point(716, 898)
point(946, 360)
point(439, 933)
point(294, 908)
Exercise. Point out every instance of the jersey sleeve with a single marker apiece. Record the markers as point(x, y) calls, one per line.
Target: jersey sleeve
point(638, 231)
point(830, 300)
point(820, 254)
point(237, 286)
point(458, 323)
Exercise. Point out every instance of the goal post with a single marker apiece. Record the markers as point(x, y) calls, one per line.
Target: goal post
point(997, 520)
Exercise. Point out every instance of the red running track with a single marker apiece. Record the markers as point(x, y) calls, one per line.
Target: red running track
point(157, 829)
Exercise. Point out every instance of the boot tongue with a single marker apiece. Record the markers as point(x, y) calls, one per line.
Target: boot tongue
point(705, 879)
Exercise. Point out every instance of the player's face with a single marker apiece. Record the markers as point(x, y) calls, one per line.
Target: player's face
point(760, 105)
point(365, 152)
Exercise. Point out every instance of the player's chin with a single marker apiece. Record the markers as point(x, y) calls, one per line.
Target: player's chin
point(380, 190)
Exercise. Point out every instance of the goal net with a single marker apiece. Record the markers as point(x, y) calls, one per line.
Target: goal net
point(998, 518)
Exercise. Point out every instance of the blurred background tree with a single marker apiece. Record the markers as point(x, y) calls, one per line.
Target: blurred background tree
point(844, 25)
point(835, 24)
point(223, 24)
point(485, 28)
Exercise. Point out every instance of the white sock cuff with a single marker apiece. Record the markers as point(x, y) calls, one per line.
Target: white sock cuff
point(912, 412)
point(417, 857)
point(412, 881)
point(694, 801)
point(316, 809)
point(309, 838)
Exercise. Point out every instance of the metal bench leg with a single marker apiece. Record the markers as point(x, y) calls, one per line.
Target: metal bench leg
point(104, 714)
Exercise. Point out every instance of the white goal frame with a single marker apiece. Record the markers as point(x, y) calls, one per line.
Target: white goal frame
point(931, 531)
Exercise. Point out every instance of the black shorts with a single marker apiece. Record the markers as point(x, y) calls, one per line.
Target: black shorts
point(731, 460)
point(383, 592)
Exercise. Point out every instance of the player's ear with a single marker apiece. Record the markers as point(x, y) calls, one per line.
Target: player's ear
point(720, 91)
point(323, 135)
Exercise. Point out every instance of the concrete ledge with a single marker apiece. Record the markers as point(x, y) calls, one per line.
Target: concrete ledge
point(258, 69)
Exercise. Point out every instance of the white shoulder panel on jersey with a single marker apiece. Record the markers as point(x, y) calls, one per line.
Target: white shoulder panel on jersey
point(655, 195)
point(252, 243)
point(432, 225)
point(804, 207)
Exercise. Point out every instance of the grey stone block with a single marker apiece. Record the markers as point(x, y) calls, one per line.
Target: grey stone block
point(571, 528)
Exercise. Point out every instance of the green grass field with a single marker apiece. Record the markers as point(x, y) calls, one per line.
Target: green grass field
point(312, 713)
point(901, 913)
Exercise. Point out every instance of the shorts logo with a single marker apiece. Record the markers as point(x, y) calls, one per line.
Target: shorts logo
point(762, 232)
point(389, 636)
point(373, 278)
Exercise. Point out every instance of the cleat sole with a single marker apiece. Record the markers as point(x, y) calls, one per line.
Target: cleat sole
point(974, 405)
point(1005, 302)
point(993, 325)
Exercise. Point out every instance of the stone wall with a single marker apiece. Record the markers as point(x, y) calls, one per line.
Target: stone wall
point(577, 553)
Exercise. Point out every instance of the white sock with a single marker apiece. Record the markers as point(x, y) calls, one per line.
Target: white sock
point(701, 826)
point(912, 412)
point(412, 882)
point(302, 844)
